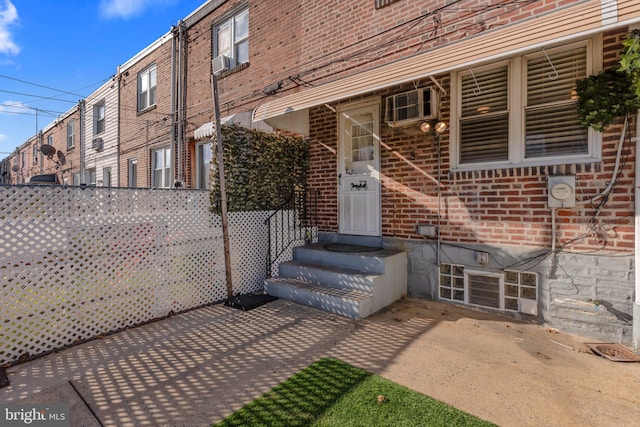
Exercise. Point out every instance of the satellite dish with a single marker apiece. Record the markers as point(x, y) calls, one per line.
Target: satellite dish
point(15, 168)
point(47, 150)
point(62, 159)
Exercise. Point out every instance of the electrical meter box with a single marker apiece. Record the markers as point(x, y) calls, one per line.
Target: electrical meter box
point(562, 191)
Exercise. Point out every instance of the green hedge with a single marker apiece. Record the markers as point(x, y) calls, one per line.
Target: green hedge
point(261, 169)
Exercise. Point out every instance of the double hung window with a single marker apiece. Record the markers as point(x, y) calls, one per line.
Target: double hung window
point(523, 111)
point(147, 88)
point(161, 168)
point(71, 134)
point(231, 38)
point(98, 118)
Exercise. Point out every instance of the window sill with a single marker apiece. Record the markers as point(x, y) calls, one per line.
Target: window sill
point(153, 107)
point(233, 70)
point(565, 166)
point(527, 164)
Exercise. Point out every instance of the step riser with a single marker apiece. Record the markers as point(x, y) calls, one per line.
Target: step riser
point(339, 306)
point(328, 277)
point(372, 241)
point(365, 264)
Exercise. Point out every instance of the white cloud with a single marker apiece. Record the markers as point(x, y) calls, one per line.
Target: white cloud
point(13, 107)
point(126, 8)
point(8, 17)
point(3, 137)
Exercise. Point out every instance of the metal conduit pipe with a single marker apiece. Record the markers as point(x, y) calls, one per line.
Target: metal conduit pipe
point(636, 303)
point(173, 87)
point(180, 104)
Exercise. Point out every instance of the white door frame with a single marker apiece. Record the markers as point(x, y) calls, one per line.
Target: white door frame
point(359, 189)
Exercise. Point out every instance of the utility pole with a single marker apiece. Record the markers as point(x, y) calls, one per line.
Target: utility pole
point(223, 187)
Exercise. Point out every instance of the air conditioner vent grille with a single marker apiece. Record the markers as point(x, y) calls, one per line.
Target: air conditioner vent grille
point(410, 107)
point(221, 64)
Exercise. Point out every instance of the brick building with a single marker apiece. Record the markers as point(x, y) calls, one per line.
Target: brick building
point(510, 208)
point(513, 208)
point(145, 116)
point(64, 135)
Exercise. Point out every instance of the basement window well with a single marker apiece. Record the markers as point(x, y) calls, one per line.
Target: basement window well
point(509, 290)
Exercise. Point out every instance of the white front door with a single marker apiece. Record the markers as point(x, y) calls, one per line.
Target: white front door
point(359, 169)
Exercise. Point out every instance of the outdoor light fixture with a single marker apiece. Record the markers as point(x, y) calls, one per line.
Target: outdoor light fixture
point(439, 128)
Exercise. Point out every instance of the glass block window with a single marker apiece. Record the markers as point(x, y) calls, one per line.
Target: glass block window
point(510, 290)
point(518, 284)
point(452, 282)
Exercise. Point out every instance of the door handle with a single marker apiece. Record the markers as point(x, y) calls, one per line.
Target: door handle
point(340, 179)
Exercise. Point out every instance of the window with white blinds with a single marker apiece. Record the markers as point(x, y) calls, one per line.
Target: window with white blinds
point(484, 121)
point(551, 114)
point(524, 110)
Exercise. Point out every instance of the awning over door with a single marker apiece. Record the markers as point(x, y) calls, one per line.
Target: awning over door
point(205, 131)
point(577, 21)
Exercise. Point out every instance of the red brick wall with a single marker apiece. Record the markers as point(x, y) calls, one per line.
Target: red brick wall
point(341, 38)
point(141, 132)
point(72, 155)
point(273, 52)
point(504, 206)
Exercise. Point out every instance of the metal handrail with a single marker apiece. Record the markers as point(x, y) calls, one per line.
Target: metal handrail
point(292, 222)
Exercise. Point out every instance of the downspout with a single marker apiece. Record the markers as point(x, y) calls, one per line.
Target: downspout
point(118, 168)
point(183, 95)
point(439, 183)
point(173, 89)
point(83, 119)
point(181, 102)
point(636, 303)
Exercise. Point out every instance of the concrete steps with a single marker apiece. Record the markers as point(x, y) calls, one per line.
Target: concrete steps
point(351, 284)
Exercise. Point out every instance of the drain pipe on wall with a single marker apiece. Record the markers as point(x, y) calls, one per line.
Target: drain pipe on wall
point(636, 302)
point(635, 338)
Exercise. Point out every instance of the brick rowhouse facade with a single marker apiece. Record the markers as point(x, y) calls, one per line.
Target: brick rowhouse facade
point(274, 50)
point(582, 261)
point(59, 131)
point(144, 130)
point(501, 211)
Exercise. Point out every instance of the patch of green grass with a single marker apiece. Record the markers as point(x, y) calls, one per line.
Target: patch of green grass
point(333, 393)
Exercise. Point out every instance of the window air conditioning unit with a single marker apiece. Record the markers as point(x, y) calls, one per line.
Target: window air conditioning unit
point(97, 144)
point(220, 64)
point(410, 107)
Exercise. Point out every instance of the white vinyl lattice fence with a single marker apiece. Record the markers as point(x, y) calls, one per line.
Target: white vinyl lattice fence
point(76, 263)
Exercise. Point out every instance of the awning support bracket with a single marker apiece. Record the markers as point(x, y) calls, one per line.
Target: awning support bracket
point(553, 76)
point(437, 83)
point(477, 90)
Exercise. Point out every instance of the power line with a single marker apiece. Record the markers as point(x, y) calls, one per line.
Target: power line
point(39, 85)
point(38, 96)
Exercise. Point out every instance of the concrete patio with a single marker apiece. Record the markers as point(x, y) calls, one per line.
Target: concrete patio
point(196, 368)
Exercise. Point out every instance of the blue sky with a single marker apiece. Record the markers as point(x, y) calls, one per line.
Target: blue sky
point(65, 49)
